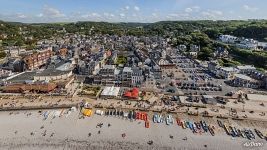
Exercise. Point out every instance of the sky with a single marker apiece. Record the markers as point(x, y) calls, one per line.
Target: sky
point(40, 11)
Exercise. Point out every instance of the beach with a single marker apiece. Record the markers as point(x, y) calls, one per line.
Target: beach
point(26, 130)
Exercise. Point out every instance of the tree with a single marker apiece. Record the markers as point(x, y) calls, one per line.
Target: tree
point(2, 54)
point(205, 53)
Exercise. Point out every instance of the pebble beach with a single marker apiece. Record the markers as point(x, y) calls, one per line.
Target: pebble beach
point(28, 130)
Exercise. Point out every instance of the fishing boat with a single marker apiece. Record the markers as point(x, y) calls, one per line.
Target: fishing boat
point(195, 130)
point(183, 125)
point(106, 113)
point(211, 130)
point(251, 134)
point(242, 133)
point(260, 135)
point(235, 131)
point(191, 126)
point(155, 118)
point(121, 113)
point(114, 112)
point(198, 125)
point(227, 130)
point(178, 121)
point(134, 115)
point(147, 124)
point(204, 126)
point(220, 123)
point(232, 132)
point(159, 119)
point(118, 113)
point(130, 115)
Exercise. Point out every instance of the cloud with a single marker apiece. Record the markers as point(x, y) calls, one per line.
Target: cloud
point(122, 15)
point(192, 9)
point(212, 14)
point(154, 14)
point(21, 16)
point(249, 8)
point(136, 8)
point(51, 12)
point(109, 15)
point(188, 10)
point(40, 15)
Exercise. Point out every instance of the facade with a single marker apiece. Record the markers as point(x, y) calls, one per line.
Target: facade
point(127, 77)
point(52, 75)
point(241, 80)
point(227, 38)
point(246, 69)
point(106, 75)
point(137, 77)
point(213, 66)
point(35, 87)
point(38, 59)
point(226, 72)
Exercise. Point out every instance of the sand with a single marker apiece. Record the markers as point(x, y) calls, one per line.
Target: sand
point(70, 132)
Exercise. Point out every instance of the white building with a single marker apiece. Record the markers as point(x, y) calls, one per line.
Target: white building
point(110, 92)
point(226, 72)
point(227, 38)
point(246, 69)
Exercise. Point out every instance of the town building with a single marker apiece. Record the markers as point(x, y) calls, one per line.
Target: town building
point(35, 60)
point(246, 69)
point(137, 77)
point(127, 77)
point(241, 80)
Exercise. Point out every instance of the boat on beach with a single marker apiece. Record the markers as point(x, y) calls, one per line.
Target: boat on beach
point(211, 130)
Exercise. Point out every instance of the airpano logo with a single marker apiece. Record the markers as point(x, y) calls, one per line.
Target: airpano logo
point(253, 144)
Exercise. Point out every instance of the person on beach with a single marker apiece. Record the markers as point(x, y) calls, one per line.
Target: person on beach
point(89, 134)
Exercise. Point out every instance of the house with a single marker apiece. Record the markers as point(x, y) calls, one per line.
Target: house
point(127, 77)
point(35, 60)
point(220, 53)
point(246, 69)
point(241, 80)
point(137, 77)
point(213, 66)
point(106, 75)
point(193, 54)
point(226, 72)
point(227, 39)
point(248, 44)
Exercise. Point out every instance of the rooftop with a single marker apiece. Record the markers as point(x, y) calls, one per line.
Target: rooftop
point(243, 77)
point(23, 77)
point(246, 67)
point(127, 69)
point(110, 91)
point(52, 72)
